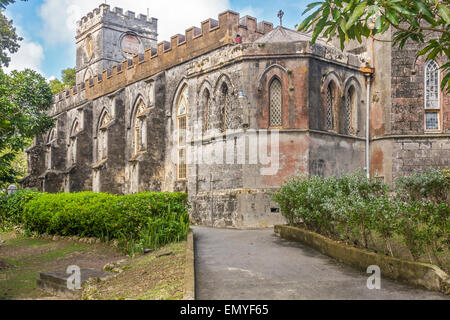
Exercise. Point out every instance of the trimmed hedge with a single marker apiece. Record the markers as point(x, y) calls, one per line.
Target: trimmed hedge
point(152, 219)
point(103, 215)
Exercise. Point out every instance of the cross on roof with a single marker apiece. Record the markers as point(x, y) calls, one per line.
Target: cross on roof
point(280, 15)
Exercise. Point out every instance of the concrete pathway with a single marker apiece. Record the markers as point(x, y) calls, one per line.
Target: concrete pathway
point(258, 265)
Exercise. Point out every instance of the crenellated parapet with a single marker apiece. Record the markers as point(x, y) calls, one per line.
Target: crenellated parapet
point(105, 14)
point(211, 35)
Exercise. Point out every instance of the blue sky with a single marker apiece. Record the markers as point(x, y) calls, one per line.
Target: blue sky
point(47, 26)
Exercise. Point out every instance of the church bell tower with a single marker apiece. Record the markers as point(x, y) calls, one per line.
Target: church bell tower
point(107, 37)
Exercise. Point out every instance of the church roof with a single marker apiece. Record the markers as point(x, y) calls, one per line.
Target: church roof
point(281, 34)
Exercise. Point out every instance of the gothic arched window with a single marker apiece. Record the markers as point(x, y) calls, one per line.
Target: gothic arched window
point(48, 152)
point(225, 107)
point(72, 150)
point(102, 137)
point(276, 102)
point(350, 111)
point(330, 101)
point(432, 96)
point(140, 129)
point(182, 109)
point(207, 110)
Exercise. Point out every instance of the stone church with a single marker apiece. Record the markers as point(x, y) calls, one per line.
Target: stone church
point(227, 111)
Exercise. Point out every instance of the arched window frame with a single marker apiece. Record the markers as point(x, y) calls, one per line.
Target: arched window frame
point(48, 152)
point(350, 126)
point(275, 107)
point(182, 108)
point(224, 103)
point(102, 136)
point(72, 148)
point(140, 128)
point(432, 96)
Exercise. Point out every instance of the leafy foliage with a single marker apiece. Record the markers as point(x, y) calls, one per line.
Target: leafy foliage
point(431, 185)
point(56, 86)
point(11, 207)
point(423, 21)
point(68, 77)
point(101, 215)
point(24, 98)
point(353, 208)
point(9, 40)
point(138, 221)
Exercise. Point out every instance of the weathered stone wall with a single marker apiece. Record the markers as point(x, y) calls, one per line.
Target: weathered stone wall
point(331, 154)
point(416, 154)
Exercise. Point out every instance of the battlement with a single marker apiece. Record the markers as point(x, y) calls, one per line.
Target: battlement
point(104, 14)
point(211, 35)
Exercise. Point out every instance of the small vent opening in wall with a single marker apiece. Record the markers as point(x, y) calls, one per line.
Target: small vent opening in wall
point(275, 210)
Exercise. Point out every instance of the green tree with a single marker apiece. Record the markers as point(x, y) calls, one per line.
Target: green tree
point(56, 86)
point(4, 3)
point(9, 40)
point(24, 98)
point(68, 77)
point(423, 21)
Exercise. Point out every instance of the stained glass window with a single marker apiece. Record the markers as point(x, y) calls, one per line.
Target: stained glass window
point(431, 85)
point(275, 104)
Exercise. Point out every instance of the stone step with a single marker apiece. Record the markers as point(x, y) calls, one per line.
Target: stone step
point(56, 282)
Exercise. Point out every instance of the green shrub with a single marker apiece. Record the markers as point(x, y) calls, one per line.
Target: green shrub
point(102, 215)
point(352, 208)
point(11, 207)
point(432, 185)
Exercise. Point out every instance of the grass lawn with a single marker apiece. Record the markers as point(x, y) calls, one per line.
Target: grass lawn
point(145, 277)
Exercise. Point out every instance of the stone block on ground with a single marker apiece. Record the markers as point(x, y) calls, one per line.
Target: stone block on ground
point(56, 282)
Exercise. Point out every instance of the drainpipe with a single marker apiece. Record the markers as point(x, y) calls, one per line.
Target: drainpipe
point(368, 82)
point(368, 73)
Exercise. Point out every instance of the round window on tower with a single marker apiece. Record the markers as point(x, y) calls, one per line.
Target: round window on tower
point(130, 45)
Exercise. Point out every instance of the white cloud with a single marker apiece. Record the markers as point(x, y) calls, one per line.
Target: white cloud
point(250, 11)
point(30, 54)
point(174, 16)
